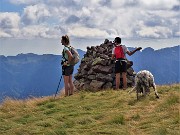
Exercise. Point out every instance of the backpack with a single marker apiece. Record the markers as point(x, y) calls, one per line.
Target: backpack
point(119, 53)
point(75, 55)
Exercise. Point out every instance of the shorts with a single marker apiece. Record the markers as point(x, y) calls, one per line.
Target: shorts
point(67, 70)
point(120, 66)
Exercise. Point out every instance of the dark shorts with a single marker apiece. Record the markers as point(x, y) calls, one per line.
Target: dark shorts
point(120, 66)
point(67, 70)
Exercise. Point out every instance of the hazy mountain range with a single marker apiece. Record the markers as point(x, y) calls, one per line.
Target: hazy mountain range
point(164, 63)
point(30, 74)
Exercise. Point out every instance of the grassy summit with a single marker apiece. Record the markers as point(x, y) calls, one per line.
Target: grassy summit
point(86, 113)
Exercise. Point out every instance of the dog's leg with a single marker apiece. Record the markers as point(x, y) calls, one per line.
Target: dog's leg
point(137, 94)
point(147, 90)
point(138, 90)
point(144, 90)
point(154, 87)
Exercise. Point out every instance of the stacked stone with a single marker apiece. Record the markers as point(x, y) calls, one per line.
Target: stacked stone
point(96, 71)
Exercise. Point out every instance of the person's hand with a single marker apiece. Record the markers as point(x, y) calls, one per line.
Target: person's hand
point(139, 48)
point(112, 61)
point(65, 63)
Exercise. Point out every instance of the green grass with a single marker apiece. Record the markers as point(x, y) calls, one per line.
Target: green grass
point(106, 112)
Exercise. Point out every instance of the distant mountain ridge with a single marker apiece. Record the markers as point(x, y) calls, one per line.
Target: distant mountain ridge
point(164, 63)
point(30, 74)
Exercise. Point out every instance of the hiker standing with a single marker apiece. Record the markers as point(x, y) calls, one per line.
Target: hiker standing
point(67, 69)
point(119, 53)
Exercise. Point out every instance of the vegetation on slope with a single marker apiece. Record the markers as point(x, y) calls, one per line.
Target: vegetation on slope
point(105, 112)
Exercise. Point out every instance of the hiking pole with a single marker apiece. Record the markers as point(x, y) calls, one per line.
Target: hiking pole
point(58, 87)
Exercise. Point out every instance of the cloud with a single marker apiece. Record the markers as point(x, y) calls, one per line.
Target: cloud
point(95, 18)
point(72, 19)
point(9, 24)
point(154, 32)
point(87, 32)
point(177, 34)
point(159, 4)
point(9, 20)
point(27, 2)
point(4, 34)
point(123, 3)
point(10, 27)
point(41, 31)
point(35, 14)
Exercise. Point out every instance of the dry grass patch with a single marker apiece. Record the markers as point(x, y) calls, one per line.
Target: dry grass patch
point(105, 112)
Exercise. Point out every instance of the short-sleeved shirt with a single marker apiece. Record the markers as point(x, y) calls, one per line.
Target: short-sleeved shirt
point(125, 49)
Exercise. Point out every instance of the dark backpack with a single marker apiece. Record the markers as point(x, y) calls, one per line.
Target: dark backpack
point(119, 53)
point(75, 55)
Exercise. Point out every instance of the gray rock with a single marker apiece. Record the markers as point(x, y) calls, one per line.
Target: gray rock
point(104, 78)
point(108, 85)
point(91, 77)
point(102, 69)
point(95, 85)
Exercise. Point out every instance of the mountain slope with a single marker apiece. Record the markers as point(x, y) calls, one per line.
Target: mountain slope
point(30, 74)
point(86, 113)
point(26, 72)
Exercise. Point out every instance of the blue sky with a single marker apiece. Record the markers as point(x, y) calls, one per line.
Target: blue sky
point(36, 25)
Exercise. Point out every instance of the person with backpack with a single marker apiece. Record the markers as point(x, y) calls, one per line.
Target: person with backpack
point(119, 54)
point(67, 68)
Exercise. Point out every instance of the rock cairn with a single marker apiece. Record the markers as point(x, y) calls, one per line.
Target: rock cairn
point(96, 71)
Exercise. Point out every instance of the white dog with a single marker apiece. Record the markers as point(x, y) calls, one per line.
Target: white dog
point(143, 81)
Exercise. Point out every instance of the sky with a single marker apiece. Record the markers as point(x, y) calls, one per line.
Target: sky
point(35, 26)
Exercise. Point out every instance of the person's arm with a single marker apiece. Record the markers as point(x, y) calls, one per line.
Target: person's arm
point(132, 52)
point(112, 57)
point(70, 57)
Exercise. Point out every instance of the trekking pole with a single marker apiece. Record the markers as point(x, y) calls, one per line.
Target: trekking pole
point(58, 87)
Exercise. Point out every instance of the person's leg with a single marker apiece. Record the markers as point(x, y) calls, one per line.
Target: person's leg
point(71, 85)
point(117, 71)
point(66, 84)
point(117, 80)
point(124, 80)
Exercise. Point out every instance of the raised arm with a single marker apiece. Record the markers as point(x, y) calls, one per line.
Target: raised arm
point(132, 52)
